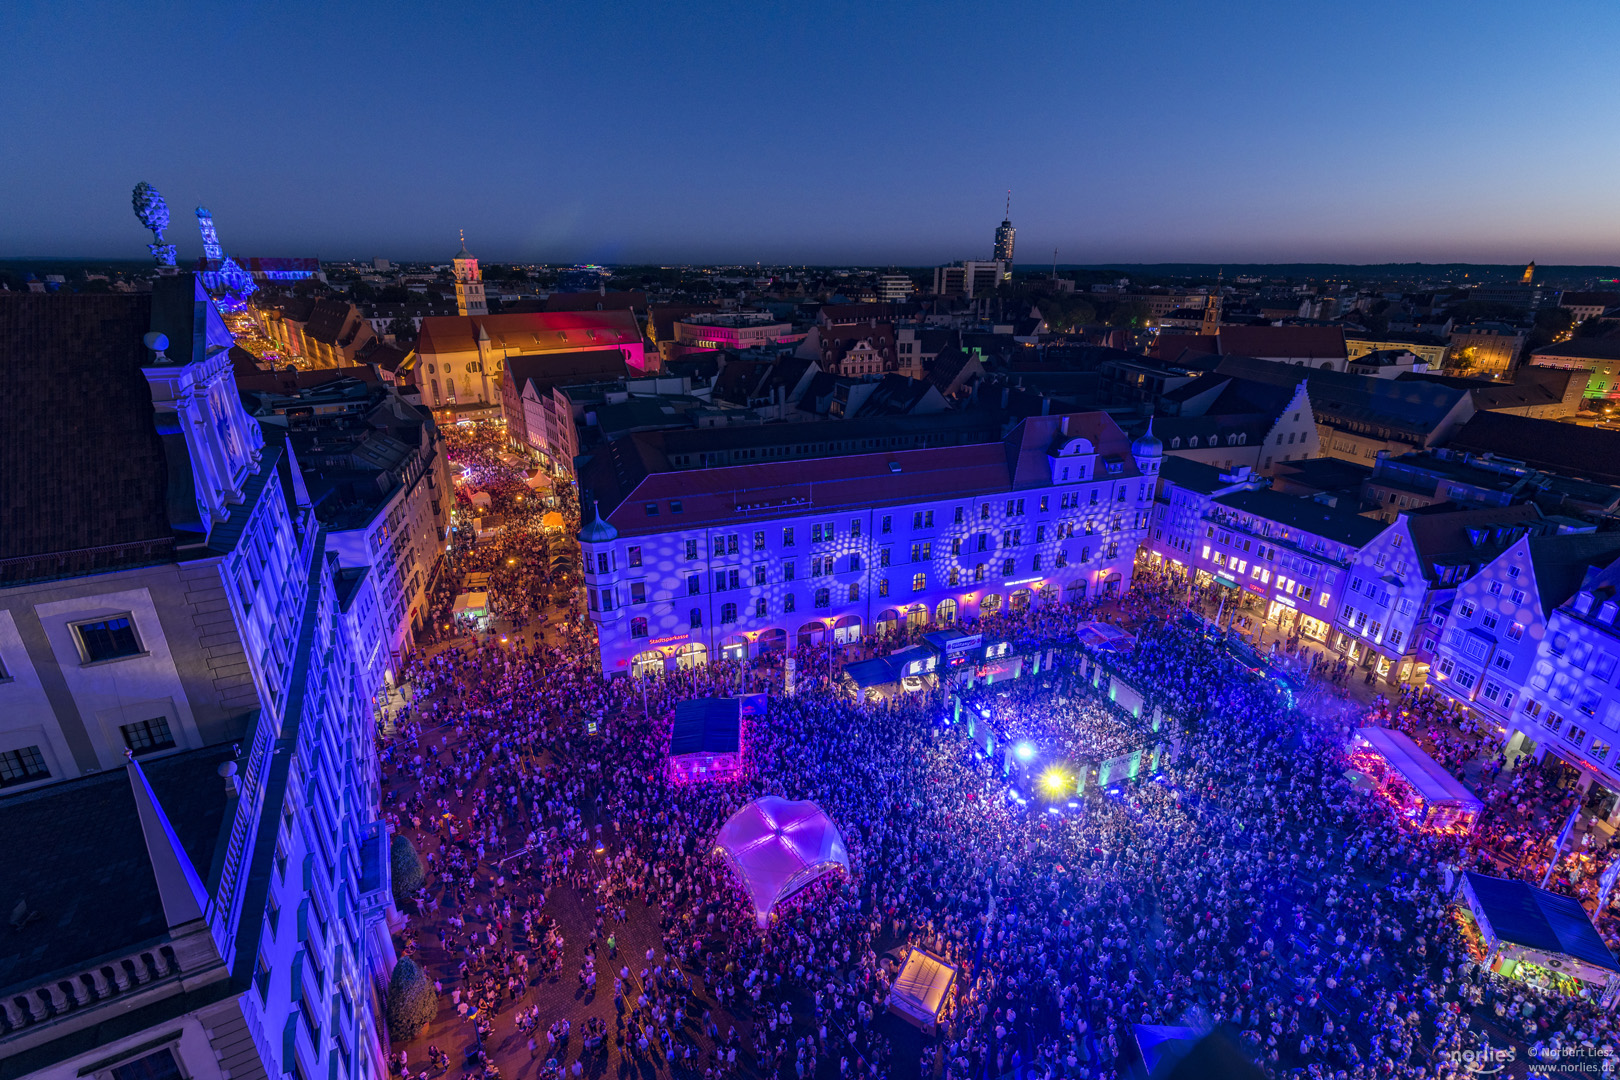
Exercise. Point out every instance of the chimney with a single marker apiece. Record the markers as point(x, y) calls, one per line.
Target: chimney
point(1063, 424)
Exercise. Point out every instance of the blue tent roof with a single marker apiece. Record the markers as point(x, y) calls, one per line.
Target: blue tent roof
point(1537, 919)
point(873, 672)
point(706, 726)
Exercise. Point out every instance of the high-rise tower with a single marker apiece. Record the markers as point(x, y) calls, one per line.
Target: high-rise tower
point(1004, 239)
point(469, 283)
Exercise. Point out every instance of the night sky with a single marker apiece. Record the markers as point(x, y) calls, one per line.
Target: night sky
point(820, 133)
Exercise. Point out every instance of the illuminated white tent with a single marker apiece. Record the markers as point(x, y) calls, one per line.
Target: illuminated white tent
point(777, 847)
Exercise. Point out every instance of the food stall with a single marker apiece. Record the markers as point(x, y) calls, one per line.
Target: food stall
point(1418, 787)
point(1543, 938)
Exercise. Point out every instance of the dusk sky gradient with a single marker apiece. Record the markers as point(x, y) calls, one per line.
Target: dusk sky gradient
point(819, 133)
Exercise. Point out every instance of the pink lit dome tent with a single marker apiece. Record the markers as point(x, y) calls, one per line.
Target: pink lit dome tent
point(777, 847)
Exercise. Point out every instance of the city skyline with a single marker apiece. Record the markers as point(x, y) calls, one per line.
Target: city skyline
point(608, 136)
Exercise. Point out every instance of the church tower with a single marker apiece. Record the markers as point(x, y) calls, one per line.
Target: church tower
point(469, 283)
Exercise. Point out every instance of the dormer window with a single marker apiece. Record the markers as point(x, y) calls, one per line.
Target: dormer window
point(1192, 443)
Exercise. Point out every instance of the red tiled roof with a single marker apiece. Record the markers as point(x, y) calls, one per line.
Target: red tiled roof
point(773, 489)
point(1171, 346)
point(528, 332)
point(1283, 342)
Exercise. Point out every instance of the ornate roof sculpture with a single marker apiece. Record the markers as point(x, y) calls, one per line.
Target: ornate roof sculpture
point(153, 213)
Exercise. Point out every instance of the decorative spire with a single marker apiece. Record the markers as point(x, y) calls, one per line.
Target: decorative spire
point(185, 899)
point(153, 213)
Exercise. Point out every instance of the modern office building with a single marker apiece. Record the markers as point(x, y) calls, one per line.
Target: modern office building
point(728, 562)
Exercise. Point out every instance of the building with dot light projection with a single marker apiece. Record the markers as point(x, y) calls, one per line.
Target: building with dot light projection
point(682, 567)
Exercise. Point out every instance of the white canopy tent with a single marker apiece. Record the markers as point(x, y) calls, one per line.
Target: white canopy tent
point(777, 847)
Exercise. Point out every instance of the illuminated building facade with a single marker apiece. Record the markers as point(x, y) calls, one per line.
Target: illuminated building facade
point(470, 298)
point(687, 565)
point(187, 704)
point(463, 359)
point(1229, 529)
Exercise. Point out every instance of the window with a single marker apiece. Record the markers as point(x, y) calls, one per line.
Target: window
point(719, 581)
point(854, 592)
point(922, 552)
point(158, 1066)
point(652, 509)
point(978, 572)
point(883, 587)
point(1488, 620)
point(886, 525)
point(694, 584)
point(954, 577)
point(731, 544)
point(854, 563)
point(1518, 596)
point(1062, 558)
point(1496, 590)
point(960, 515)
point(787, 570)
point(823, 598)
point(1515, 631)
point(1006, 568)
point(695, 618)
point(984, 511)
point(984, 541)
point(787, 537)
point(261, 976)
point(789, 604)
point(1395, 638)
point(107, 639)
point(147, 736)
point(759, 574)
point(633, 556)
point(22, 766)
point(759, 607)
point(638, 627)
point(1502, 660)
point(691, 550)
point(638, 592)
point(883, 557)
point(674, 506)
point(919, 582)
point(854, 526)
point(759, 540)
point(1466, 609)
point(728, 613)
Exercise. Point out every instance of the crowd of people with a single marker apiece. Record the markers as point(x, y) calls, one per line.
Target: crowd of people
point(1243, 882)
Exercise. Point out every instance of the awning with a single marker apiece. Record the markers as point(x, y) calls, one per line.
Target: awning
point(1521, 914)
point(920, 989)
point(1433, 784)
point(1222, 579)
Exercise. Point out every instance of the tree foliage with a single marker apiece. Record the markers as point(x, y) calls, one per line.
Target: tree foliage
point(412, 1002)
point(408, 874)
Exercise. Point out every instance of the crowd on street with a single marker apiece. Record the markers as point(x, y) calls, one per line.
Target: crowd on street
point(576, 918)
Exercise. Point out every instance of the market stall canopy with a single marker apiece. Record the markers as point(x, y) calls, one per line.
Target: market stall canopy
point(1433, 784)
point(919, 991)
point(777, 847)
point(706, 726)
point(471, 603)
point(1521, 914)
point(874, 672)
point(551, 519)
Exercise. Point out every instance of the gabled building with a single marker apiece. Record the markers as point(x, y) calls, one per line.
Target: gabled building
point(1491, 641)
point(1402, 582)
point(463, 359)
point(535, 420)
point(1569, 706)
point(1358, 417)
point(1229, 421)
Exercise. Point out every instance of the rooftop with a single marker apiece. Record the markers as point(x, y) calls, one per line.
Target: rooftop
point(85, 867)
